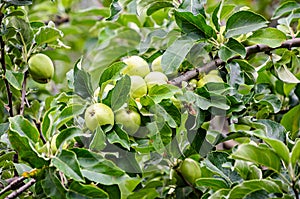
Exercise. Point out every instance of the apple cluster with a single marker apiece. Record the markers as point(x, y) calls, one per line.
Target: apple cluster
point(142, 80)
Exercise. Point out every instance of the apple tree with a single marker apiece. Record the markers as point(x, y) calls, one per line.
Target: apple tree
point(149, 99)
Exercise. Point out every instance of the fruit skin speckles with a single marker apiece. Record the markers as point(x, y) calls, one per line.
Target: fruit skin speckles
point(97, 115)
point(41, 68)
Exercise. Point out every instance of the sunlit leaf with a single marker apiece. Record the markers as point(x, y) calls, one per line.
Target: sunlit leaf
point(243, 22)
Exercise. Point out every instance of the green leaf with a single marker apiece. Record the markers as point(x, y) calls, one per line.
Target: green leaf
point(119, 136)
point(144, 193)
point(51, 185)
point(291, 121)
point(68, 113)
point(245, 188)
point(269, 36)
point(23, 28)
point(111, 72)
point(15, 79)
point(152, 5)
point(47, 123)
point(193, 6)
point(115, 9)
point(172, 57)
point(271, 101)
point(280, 148)
point(23, 127)
point(19, 2)
point(259, 155)
point(98, 141)
point(82, 81)
point(4, 128)
point(215, 18)
point(212, 183)
point(78, 190)
point(151, 36)
point(214, 100)
point(194, 24)
point(120, 93)
point(286, 75)
point(26, 151)
point(94, 162)
point(220, 194)
point(67, 134)
point(47, 35)
point(243, 22)
point(160, 92)
point(285, 8)
point(230, 49)
point(295, 154)
point(67, 163)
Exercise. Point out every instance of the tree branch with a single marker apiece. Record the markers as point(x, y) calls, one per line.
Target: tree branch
point(15, 182)
point(22, 106)
point(21, 189)
point(250, 50)
point(9, 93)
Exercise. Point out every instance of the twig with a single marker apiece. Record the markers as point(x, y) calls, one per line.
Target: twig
point(217, 62)
point(12, 184)
point(8, 181)
point(21, 189)
point(22, 106)
point(295, 190)
point(9, 93)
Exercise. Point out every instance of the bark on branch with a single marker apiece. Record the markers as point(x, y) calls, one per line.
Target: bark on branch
point(218, 62)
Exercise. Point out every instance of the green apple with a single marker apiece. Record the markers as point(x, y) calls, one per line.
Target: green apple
point(209, 78)
point(97, 115)
point(136, 66)
point(190, 170)
point(156, 64)
point(138, 87)
point(130, 120)
point(155, 78)
point(41, 68)
point(193, 83)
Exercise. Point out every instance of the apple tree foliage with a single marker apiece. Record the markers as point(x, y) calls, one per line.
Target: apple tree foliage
point(242, 131)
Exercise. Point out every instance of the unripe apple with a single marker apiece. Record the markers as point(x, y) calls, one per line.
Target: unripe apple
point(97, 115)
point(156, 64)
point(193, 83)
point(130, 120)
point(41, 68)
point(155, 78)
point(190, 170)
point(209, 78)
point(138, 87)
point(136, 66)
